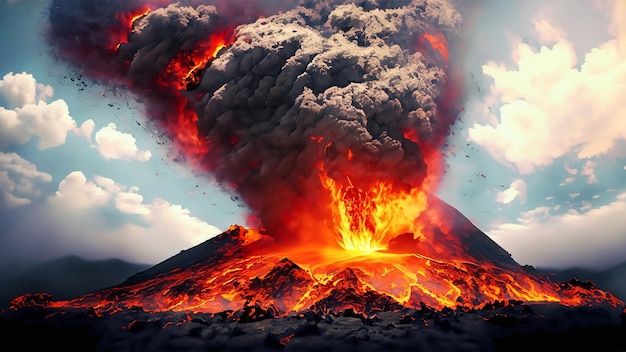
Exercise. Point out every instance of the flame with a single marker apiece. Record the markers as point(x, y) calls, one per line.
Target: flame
point(217, 43)
point(183, 73)
point(186, 67)
point(438, 42)
point(366, 220)
point(127, 22)
point(324, 279)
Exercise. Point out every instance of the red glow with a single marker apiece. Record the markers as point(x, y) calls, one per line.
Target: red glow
point(407, 277)
point(126, 21)
point(184, 73)
point(186, 67)
point(438, 42)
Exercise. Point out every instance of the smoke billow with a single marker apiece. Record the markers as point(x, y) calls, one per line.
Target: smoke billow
point(341, 87)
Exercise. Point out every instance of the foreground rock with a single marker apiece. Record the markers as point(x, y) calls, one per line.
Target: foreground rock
point(495, 327)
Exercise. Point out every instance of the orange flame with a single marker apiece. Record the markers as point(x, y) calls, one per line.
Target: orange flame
point(184, 73)
point(366, 220)
point(438, 42)
point(128, 21)
point(186, 67)
point(408, 279)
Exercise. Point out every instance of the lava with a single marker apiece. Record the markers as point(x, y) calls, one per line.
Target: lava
point(323, 280)
point(368, 219)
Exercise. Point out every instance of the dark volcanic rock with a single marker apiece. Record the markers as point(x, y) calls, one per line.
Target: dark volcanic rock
point(284, 284)
point(509, 328)
point(211, 250)
point(350, 292)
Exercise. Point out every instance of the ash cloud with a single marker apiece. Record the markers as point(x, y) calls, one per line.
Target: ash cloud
point(332, 84)
point(300, 87)
point(163, 33)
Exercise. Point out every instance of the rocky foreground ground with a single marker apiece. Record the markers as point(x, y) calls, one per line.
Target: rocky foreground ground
point(499, 326)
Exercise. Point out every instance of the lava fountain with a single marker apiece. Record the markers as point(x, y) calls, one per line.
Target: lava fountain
point(328, 120)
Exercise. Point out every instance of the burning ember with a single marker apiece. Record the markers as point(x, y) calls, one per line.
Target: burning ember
point(331, 132)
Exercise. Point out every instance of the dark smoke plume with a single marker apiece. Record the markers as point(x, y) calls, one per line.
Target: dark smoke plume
point(343, 86)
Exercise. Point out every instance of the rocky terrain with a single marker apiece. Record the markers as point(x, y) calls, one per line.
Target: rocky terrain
point(496, 326)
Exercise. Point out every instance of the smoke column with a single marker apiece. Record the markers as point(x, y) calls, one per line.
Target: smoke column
point(357, 90)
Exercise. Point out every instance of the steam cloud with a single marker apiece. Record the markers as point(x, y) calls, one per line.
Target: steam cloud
point(334, 85)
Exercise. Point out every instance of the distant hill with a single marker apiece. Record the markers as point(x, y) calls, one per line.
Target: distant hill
point(612, 279)
point(65, 278)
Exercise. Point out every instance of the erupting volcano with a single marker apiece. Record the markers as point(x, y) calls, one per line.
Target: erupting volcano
point(328, 120)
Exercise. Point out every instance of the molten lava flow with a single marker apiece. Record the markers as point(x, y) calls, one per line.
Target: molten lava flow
point(367, 220)
point(234, 273)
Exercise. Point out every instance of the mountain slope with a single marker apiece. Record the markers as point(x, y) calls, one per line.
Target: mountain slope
point(612, 279)
point(67, 277)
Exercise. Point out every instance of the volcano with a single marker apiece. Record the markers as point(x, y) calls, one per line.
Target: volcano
point(243, 267)
point(328, 120)
point(240, 291)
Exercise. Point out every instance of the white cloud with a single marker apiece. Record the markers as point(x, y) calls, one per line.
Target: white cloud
point(552, 107)
point(547, 33)
point(108, 184)
point(131, 202)
point(588, 170)
point(569, 180)
point(50, 122)
point(18, 89)
point(535, 215)
point(144, 231)
point(593, 239)
point(113, 144)
point(586, 206)
point(75, 192)
point(30, 115)
point(19, 180)
point(574, 195)
point(618, 21)
point(570, 170)
point(86, 129)
point(517, 189)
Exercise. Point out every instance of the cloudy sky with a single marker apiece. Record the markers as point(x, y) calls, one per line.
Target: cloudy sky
point(537, 161)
